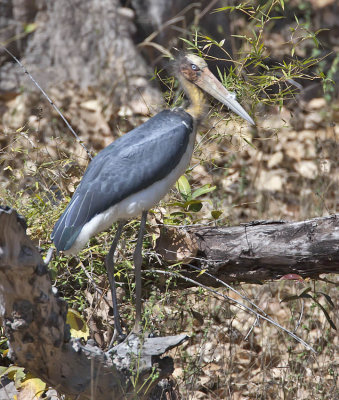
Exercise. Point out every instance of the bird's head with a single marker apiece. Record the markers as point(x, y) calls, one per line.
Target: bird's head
point(191, 67)
point(195, 70)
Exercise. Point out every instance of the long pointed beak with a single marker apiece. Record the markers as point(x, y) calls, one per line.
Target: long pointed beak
point(210, 84)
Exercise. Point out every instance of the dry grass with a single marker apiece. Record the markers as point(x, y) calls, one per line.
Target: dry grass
point(286, 174)
point(290, 171)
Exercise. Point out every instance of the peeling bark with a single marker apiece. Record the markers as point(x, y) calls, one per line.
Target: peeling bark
point(34, 316)
point(253, 252)
point(266, 250)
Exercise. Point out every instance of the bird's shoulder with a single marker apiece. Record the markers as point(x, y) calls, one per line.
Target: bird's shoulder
point(168, 125)
point(176, 120)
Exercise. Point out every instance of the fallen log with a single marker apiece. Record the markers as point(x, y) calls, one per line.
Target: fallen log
point(254, 252)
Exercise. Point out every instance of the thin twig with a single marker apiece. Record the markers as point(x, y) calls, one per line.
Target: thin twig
point(178, 17)
point(300, 316)
point(95, 286)
point(255, 323)
point(228, 287)
point(177, 275)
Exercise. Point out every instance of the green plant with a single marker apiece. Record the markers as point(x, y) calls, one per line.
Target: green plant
point(305, 294)
point(190, 202)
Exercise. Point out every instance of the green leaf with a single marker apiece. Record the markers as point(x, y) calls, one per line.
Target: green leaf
point(190, 202)
point(203, 190)
point(305, 296)
point(305, 291)
point(302, 295)
point(328, 298)
point(249, 143)
point(216, 214)
point(14, 373)
point(195, 207)
point(183, 186)
point(177, 213)
point(326, 315)
point(29, 28)
point(289, 298)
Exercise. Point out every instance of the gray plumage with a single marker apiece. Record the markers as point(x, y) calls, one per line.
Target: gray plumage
point(131, 163)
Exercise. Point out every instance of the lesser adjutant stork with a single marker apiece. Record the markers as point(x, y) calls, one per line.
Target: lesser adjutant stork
point(133, 173)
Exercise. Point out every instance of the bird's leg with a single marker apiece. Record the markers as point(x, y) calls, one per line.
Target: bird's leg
point(109, 263)
point(137, 258)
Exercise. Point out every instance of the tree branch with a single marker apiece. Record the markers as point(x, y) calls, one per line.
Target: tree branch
point(258, 251)
point(34, 316)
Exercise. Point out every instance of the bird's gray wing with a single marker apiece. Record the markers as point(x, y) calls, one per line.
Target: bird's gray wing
point(131, 163)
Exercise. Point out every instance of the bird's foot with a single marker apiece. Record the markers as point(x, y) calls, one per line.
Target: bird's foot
point(118, 336)
point(121, 337)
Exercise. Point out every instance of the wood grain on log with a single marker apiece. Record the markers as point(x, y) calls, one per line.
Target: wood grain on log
point(253, 252)
point(34, 316)
point(265, 250)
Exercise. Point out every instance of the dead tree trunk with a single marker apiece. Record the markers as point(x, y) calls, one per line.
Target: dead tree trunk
point(258, 251)
point(33, 316)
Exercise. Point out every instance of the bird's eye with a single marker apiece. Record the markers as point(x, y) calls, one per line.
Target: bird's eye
point(194, 67)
